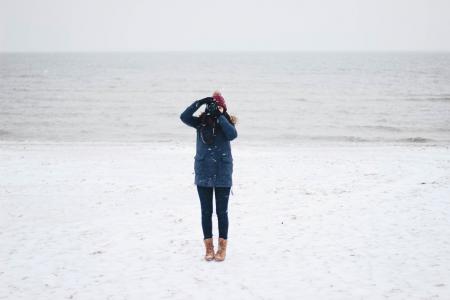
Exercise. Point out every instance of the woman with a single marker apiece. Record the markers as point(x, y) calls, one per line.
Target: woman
point(213, 166)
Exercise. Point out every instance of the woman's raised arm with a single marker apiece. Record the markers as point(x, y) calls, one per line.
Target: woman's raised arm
point(187, 115)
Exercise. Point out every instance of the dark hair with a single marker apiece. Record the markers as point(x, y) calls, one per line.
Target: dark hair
point(231, 118)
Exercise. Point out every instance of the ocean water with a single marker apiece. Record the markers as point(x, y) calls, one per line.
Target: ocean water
point(277, 97)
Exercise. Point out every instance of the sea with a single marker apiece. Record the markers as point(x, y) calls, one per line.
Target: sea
point(278, 97)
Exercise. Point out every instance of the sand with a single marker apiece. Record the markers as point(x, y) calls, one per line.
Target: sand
point(122, 221)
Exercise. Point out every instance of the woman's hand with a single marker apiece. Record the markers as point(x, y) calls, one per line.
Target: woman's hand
point(218, 112)
point(206, 100)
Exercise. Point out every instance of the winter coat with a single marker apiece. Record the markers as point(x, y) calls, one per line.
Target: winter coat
point(213, 164)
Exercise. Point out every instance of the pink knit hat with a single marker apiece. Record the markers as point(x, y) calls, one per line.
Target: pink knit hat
point(220, 100)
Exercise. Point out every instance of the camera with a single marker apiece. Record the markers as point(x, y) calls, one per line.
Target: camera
point(211, 108)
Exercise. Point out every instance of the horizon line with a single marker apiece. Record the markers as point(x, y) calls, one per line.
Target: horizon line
point(220, 51)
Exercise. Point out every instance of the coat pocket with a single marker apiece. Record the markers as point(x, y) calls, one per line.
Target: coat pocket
point(226, 165)
point(199, 163)
point(199, 156)
point(227, 159)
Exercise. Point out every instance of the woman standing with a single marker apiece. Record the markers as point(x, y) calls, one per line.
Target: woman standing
point(213, 166)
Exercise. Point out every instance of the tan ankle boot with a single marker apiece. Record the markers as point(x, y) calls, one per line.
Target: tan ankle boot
point(209, 245)
point(221, 253)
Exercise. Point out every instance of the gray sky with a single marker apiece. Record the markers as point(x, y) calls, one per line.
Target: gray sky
point(146, 25)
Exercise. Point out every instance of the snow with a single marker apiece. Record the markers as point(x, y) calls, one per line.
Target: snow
point(122, 221)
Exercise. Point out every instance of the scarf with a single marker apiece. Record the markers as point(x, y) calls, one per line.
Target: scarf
point(207, 129)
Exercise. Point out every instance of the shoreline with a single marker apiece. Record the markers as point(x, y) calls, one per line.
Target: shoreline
point(236, 143)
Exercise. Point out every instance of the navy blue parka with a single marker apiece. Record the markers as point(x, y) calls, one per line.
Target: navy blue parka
point(213, 164)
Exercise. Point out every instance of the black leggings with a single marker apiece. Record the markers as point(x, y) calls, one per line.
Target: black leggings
point(206, 201)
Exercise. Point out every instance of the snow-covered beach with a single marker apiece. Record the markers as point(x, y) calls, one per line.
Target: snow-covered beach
point(122, 221)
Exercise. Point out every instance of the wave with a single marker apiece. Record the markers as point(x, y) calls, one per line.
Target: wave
point(342, 138)
point(415, 140)
point(298, 99)
point(357, 139)
point(379, 127)
point(442, 98)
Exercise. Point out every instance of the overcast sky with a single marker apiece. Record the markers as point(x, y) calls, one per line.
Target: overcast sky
point(147, 25)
